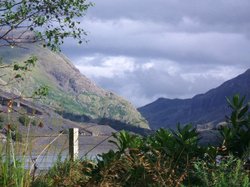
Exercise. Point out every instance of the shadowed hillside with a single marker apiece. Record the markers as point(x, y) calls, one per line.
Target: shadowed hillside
point(210, 107)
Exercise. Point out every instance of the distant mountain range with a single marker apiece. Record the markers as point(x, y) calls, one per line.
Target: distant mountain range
point(71, 94)
point(210, 107)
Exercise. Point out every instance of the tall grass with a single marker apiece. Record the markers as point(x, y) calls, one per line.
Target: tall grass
point(12, 171)
point(16, 165)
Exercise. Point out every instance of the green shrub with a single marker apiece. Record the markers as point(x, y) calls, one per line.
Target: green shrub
point(180, 145)
point(162, 159)
point(135, 168)
point(229, 172)
point(66, 173)
point(124, 140)
point(237, 131)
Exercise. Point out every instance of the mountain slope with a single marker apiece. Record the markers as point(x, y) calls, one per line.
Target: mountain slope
point(71, 94)
point(210, 107)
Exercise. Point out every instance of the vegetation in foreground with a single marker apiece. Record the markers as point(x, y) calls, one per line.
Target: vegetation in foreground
point(165, 158)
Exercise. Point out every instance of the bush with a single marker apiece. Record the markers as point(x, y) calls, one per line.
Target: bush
point(237, 131)
point(181, 145)
point(136, 169)
point(229, 172)
point(66, 173)
point(162, 159)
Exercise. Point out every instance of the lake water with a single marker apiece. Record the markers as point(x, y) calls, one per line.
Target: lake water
point(45, 162)
point(89, 147)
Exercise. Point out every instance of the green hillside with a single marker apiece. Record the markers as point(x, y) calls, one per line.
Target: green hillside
point(71, 94)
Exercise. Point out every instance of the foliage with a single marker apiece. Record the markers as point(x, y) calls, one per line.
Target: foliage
point(181, 145)
point(66, 173)
point(161, 159)
point(51, 21)
point(12, 170)
point(149, 161)
point(27, 64)
point(237, 131)
point(136, 162)
point(165, 158)
point(124, 140)
point(13, 174)
point(135, 169)
point(41, 92)
point(18, 70)
point(229, 172)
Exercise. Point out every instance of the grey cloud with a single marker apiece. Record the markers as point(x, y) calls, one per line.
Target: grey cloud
point(190, 31)
point(204, 42)
point(150, 85)
point(165, 79)
point(182, 47)
point(208, 11)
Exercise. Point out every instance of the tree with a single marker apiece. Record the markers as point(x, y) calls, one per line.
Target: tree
point(30, 21)
point(51, 21)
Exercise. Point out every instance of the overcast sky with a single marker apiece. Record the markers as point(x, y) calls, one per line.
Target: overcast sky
point(145, 49)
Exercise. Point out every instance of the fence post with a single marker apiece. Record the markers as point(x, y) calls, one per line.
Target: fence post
point(73, 143)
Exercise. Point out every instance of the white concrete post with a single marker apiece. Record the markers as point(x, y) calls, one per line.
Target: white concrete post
point(73, 143)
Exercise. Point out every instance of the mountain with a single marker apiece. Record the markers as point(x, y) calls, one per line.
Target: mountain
point(71, 94)
point(208, 108)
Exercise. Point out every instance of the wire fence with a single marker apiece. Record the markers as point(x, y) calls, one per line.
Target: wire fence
point(46, 149)
point(57, 146)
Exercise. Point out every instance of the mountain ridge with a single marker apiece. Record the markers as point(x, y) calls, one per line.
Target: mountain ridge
point(70, 92)
point(210, 107)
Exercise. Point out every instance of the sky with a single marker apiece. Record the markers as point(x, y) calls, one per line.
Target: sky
point(146, 49)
